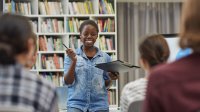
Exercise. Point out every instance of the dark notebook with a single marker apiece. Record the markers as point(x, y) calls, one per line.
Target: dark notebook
point(116, 66)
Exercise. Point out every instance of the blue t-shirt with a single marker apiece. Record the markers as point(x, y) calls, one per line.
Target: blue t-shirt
point(88, 91)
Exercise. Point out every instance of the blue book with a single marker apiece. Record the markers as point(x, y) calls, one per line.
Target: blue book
point(12, 6)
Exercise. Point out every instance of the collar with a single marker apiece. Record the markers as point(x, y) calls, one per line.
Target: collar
point(80, 51)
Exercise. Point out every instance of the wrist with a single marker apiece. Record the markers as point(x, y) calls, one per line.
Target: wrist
point(74, 61)
point(108, 83)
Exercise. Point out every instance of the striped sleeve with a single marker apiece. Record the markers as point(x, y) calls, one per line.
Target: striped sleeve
point(133, 91)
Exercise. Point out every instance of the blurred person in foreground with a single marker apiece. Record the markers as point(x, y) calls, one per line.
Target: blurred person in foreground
point(21, 89)
point(175, 87)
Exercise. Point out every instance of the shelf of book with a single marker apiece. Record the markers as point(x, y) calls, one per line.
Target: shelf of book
point(100, 33)
point(92, 15)
point(113, 88)
point(52, 16)
point(51, 52)
point(70, 33)
point(107, 33)
point(53, 34)
point(31, 16)
point(57, 21)
point(50, 70)
point(34, 70)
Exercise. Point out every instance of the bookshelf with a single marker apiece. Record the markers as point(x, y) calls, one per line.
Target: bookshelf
point(57, 21)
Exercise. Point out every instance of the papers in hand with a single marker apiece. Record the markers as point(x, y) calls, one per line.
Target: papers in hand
point(116, 66)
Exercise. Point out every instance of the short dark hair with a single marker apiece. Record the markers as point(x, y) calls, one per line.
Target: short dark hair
point(154, 49)
point(15, 31)
point(88, 22)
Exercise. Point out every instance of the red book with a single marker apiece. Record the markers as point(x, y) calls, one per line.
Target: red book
point(56, 61)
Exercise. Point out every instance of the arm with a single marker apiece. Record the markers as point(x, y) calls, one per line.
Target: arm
point(70, 75)
point(109, 76)
point(108, 83)
point(112, 76)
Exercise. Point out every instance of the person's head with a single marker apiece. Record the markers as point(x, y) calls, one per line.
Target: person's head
point(16, 44)
point(33, 54)
point(88, 33)
point(153, 51)
point(190, 25)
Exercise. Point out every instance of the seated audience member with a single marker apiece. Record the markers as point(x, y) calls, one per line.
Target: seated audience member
point(18, 87)
point(175, 87)
point(153, 50)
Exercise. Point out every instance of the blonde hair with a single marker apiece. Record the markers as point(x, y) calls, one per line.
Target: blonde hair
point(190, 25)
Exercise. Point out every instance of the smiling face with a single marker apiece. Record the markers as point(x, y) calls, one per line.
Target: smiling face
point(89, 35)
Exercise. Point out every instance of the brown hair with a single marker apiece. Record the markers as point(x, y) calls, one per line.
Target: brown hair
point(15, 31)
point(154, 49)
point(190, 25)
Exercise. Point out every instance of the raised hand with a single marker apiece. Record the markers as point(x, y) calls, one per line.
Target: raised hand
point(114, 75)
point(71, 54)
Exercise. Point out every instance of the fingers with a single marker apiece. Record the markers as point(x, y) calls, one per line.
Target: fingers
point(69, 51)
point(71, 54)
point(114, 75)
